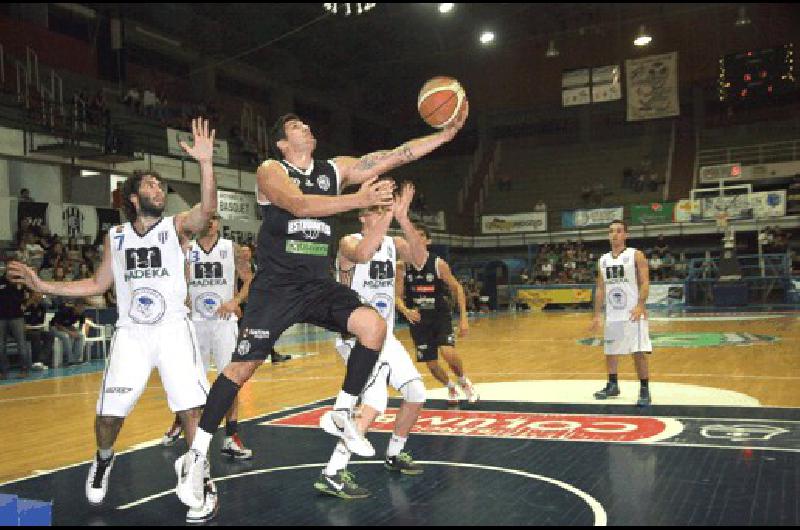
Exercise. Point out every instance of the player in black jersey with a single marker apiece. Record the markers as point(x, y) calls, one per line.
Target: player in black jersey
point(421, 299)
point(298, 197)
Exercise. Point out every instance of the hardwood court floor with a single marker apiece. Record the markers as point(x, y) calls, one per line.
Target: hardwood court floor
point(49, 424)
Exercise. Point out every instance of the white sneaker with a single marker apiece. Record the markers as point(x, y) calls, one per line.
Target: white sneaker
point(209, 508)
point(469, 389)
point(97, 481)
point(339, 423)
point(233, 447)
point(452, 396)
point(191, 468)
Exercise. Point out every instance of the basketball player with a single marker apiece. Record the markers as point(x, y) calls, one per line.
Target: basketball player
point(623, 282)
point(216, 265)
point(144, 260)
point(421, 299)
point(367, 263)
point(298, 196)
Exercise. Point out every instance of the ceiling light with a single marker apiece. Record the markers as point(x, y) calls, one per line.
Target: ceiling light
point(552, 51)
point(487, 37)
point(446, 8)
point(348, 9)
point(643, 38)
point(743, 19)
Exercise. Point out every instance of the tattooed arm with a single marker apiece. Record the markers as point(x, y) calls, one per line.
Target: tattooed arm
point(357, 170)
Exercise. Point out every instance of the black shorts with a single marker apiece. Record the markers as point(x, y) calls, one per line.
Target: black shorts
point(431, 334)
point(272, 308)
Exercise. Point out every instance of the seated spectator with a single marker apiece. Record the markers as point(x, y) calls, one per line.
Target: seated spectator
point(655, 266)
point(149, 102)
point(653, 182)
point(473, 295)
point(661, 245)
point(540, 206)
point(504, 182)
point(66, 326)
point(32, 251)
point(133, 99)
point(25, 195)
point(639, 183)
point(12, 325)
point(41, 340)
point(668, 266)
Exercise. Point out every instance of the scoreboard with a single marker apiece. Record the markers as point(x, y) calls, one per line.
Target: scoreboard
point(757, 75)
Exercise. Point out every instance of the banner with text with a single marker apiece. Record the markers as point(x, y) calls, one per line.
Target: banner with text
point(514, 223)
point(539, 298)
point(73, 220)
point(241, 231)
point(598, 216)
point(234, 205)
point(654, 213)
point(758, 205)
point(175, 137)
point(652, 87)
point(35, 213)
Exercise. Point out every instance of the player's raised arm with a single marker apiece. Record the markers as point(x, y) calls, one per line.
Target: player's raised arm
point(274, 184)
point(196, 219)
point(356, 170)
point(361, 250)
point(412, 247)
point(101, 282)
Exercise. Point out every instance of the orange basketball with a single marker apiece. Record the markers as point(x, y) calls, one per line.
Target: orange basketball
point(440, 101)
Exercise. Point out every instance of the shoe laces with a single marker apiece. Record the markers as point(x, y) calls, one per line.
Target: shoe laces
point(347, 477)
point(405, 457)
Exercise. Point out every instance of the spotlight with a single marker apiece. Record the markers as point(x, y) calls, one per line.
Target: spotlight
point(643, 38)
point(487, 37)
point(552, 51)
point(446, 8)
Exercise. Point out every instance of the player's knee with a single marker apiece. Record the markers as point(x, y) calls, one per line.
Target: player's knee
point(414, 392)
point(240, 372)
point(370, 329)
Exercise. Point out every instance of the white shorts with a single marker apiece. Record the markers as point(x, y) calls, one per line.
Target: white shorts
point(217, 337)
point(394, 367)
point(136, 350)
point(624, 337)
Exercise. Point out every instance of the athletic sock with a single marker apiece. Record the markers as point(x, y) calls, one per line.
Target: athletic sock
point(219, 401)
point(105, 454)
point(202, 439)
point(612, 378)
point(359, 367)
point(645, 383)
point(231, 428)
point(339, 459)
point(396, 445)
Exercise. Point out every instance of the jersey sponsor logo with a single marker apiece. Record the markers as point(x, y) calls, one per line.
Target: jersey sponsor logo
point(143, 263)
point(381, 270)
point(423, 289)
point(429, 277)
point(309, 184)
point(163, 236)
point(617, 298)
point(324, 182)
point(206, 304)
point(383, 304)
point(296, 181)
point(117, 390)
point(258, 334)
point(208, 270)
point(310, 228)
point(306, 248)
point(147, 306)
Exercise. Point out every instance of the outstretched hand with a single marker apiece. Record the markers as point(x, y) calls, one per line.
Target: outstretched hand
point(203, 148)
point(403, 201)
point(20, 273)
point(376, 192)
point(450, 130)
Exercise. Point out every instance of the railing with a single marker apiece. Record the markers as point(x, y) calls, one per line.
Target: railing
point(785, 151)
point(753, 267)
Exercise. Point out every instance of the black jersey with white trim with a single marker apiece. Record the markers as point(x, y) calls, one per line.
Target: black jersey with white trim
point(294, 249)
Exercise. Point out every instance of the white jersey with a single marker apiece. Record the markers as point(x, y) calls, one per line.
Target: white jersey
point(212, 278)
point(149, 274)
point(374, 280)
point(622, 288)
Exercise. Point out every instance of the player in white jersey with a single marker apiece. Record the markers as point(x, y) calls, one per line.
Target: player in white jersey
point(144, 260)
point(367, 263)
point(623, 283)
point(214, 267)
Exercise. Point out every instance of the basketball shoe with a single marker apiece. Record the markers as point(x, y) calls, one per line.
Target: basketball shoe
point(610, 390)
point(402, 463)
point(340, 423)
point(191, 470)
point(233, 447)
point(342, 485)
point(97, 481)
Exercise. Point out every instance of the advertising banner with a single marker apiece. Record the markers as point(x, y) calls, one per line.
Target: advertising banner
point(514, 223)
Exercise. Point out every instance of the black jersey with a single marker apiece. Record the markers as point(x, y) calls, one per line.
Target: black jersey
point(292, 249)
point(424, 290)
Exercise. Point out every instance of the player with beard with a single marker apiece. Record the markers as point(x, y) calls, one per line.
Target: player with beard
point(144, 260)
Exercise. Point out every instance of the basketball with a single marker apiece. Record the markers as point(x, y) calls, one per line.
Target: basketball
point(440, 101)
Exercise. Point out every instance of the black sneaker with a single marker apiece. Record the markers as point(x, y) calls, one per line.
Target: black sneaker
point(611, 390)
point(97, 481)
point(341, 485)
point(644, 398)
point(279, 358)
point(403, 463)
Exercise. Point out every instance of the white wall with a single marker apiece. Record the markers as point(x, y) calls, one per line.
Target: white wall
point(44, 181)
